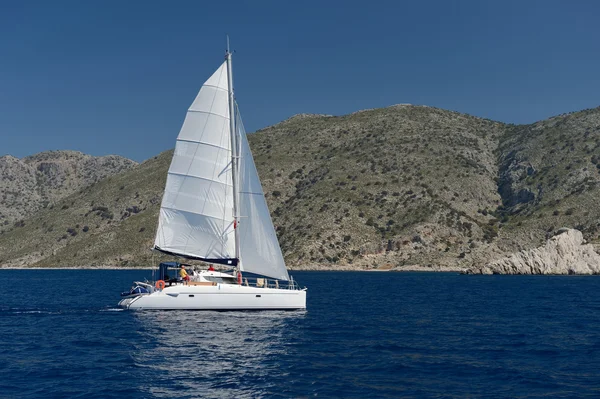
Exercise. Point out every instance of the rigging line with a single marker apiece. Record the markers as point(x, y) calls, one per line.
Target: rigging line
point(240, 130)
point(226, 192)
point(247, 147)
point(235, 176)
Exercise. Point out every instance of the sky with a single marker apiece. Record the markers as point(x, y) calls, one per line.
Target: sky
point(116, 77)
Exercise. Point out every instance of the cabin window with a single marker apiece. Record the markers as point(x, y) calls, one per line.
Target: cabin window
point(226, 280)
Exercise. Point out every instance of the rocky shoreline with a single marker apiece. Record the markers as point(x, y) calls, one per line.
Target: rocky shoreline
point(566, 253)
point(319, 268)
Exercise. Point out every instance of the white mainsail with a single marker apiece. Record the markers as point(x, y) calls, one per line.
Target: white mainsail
point(196, 213)
point(259, 248)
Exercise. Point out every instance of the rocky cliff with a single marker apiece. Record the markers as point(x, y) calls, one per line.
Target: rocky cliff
point(32, 183)
point(565, 253)
point(549, 177)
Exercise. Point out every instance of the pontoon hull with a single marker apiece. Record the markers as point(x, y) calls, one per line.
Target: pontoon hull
point(218, 297)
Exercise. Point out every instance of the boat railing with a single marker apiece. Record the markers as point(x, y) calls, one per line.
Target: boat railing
point(263, 282)
point(258, 282)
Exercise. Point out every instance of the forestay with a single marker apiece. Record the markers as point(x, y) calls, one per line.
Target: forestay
point(259, 249)
point(196, 214)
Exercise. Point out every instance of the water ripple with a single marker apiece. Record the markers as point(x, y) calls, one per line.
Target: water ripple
point(364, 335)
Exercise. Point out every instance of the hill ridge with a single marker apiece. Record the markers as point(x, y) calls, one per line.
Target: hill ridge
point(390, 188)
point(35, 181)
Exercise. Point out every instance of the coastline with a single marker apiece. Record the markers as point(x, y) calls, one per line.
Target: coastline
point(74, 268)
point(311, 268)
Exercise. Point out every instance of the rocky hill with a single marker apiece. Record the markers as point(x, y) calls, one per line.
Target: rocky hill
point(549, 177)
point(395, 186)
point(37, 181)
point(106, 223)
point(403, 187)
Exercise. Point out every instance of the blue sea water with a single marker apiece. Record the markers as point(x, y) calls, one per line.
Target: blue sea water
point(364, 335)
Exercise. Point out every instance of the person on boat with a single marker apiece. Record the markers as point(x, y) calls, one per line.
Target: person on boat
point(211, 268)
point(183, 274)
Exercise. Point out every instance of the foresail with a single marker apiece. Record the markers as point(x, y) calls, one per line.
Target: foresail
point(196, 213)
point(259, 249)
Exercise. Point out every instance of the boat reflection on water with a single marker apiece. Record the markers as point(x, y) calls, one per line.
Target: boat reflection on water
point(213, 354)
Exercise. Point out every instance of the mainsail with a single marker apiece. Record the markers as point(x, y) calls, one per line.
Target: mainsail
point(197, 211)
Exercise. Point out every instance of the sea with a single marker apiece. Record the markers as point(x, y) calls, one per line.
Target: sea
point(364, 335)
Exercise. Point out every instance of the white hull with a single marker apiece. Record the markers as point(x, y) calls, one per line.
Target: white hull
point(218, 297)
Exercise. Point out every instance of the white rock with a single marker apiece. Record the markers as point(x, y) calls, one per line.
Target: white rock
point(565, 253)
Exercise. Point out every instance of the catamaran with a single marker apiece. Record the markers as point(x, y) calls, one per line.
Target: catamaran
point(214, 210)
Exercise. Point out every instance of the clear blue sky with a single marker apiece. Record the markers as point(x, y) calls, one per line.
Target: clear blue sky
point(116, 77)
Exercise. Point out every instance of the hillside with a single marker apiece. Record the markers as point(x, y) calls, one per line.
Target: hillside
point(34, 182)
point(550, 178)
point(380, 188)
point(105, 223)
point(398, 187)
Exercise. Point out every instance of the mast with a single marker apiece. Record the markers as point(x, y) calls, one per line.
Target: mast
point(234, 154)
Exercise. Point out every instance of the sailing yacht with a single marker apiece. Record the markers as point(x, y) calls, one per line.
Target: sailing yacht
point(214, 210)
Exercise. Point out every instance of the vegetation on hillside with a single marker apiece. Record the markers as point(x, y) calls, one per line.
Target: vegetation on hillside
point(403, 186)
